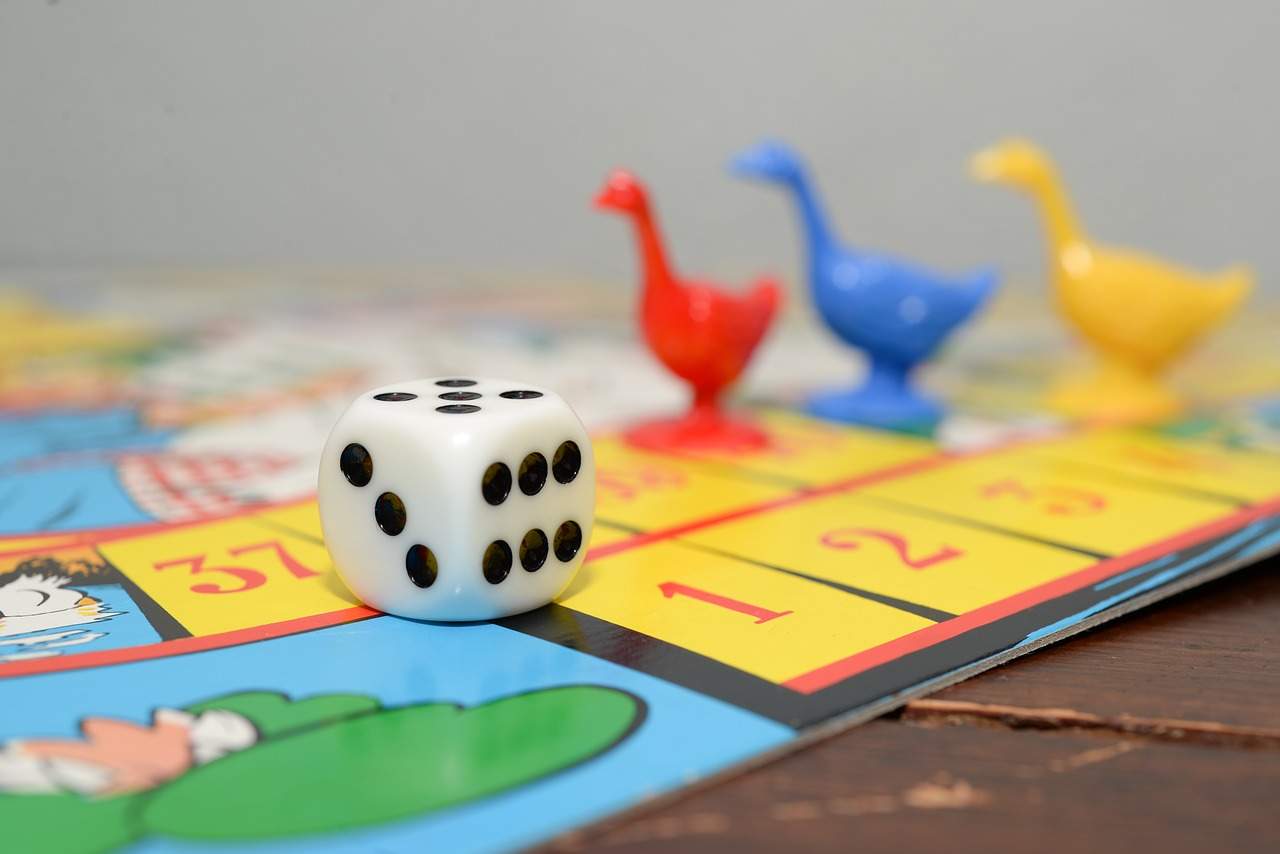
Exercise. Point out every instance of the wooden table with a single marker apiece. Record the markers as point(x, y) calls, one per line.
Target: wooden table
point(1158, 731)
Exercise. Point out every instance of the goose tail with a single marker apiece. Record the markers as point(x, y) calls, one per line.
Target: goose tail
point(761, 305)
point(978, 288)
point(767, 294)
point(982, 285)
point(1230, 289)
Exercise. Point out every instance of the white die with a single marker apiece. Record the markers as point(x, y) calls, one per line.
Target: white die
point(457, 498)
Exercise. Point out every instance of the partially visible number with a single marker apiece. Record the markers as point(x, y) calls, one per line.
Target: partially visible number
point(1055, 500)
point(847, 539)
point(626, 484)
point(812, 440)
point(1172, 460)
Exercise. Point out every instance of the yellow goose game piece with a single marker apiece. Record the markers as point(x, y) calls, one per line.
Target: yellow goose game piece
point(1139, 313)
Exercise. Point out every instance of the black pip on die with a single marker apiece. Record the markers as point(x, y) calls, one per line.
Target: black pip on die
point(457, 498)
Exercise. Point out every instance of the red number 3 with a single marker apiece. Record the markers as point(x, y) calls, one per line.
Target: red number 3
point(249, 578)
point(1051, 498)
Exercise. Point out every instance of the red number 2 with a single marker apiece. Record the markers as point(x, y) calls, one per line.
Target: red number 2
point(846, 539)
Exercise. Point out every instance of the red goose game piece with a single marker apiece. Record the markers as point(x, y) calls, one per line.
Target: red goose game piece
point(703, 334)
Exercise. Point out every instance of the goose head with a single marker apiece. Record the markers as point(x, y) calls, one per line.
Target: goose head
point(621, 192)
point(1017, 162)
point(769, 160)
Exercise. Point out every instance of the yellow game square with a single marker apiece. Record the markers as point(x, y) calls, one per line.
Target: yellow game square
point(650, 491)
point(603, 534)
point(945, 566)
point(234, 574)
point(1022, 491)
point(1238, 474)
point(764, 622)
point(301, 519)
point(813, 452)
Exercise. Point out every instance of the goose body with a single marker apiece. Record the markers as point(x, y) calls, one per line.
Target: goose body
point(703, 333)
point(889, 307)
point(1140, 308)
point(897, 313)
point(1138, 313)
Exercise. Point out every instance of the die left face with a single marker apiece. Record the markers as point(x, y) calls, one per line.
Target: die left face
point(457, 498)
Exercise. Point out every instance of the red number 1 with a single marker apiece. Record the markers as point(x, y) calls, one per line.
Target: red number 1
point(762, 615)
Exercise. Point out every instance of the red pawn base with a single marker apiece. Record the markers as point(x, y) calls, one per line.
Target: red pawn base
point(699, 430)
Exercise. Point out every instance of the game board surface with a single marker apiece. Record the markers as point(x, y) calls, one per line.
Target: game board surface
point(181, 670)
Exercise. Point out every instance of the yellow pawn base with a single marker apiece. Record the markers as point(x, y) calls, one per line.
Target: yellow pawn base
point(1115, 393)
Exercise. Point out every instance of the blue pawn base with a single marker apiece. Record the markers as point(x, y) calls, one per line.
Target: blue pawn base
point(903, 411)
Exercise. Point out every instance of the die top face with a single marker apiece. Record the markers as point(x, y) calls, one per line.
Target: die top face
point(435, 521)
point(451, 419)
point(463, 404)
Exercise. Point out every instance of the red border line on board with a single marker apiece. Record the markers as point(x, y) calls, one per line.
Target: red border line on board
point(838, 671)
point(183, 646)
point(799, 497)
point(55, 541)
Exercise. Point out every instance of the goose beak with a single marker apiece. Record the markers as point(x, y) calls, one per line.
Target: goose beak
point(744, 165)
point(605, 200)
point(985, 166)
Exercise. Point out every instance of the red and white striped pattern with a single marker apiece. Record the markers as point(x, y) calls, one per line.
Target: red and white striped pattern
point(184, 486)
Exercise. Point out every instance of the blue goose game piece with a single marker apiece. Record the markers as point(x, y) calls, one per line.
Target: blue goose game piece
point(896, 313)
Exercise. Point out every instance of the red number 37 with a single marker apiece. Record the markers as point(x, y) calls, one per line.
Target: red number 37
point(247, 577)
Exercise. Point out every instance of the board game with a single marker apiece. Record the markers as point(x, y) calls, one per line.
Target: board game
point(181, 669)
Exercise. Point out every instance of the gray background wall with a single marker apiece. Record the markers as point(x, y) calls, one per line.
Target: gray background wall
point(472, 135)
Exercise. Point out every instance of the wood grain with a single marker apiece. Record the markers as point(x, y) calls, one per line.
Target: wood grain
point(1161, 729)
point(1210, 654)
point(896, 787)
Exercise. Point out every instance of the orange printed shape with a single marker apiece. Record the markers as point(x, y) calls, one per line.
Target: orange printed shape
point(135, 756)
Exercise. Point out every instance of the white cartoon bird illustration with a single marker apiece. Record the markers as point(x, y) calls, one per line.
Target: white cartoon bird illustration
point(34, 602)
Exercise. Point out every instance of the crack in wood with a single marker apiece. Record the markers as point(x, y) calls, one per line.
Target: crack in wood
point(957, 712)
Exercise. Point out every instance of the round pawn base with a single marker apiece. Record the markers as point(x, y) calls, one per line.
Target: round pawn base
point(1114, 394)
point(699, 431)
point(903, 412)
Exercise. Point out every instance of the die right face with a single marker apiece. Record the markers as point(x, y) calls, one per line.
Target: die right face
point(534, 539)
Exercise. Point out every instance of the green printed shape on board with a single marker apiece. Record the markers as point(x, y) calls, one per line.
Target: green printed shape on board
point(391, 764)
point(274, 714)
point(66, 823)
